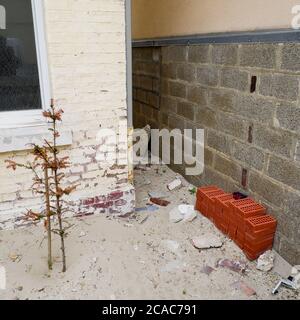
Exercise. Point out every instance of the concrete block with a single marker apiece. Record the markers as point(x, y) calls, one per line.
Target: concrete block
point(218, 141)
point(205, 117)
point(177, 89)
point(287, 172)
point(177, 53)
point(186, 109)
point(176, 122)
point(232, 125)
point(186, 72)
point(266, 188)
point(258, 55)
point(289, 251)
point(250, 156)
point(198, 53)
point(220, 99)
point(207, 75)
point(288, 117)
point(291, 57)
point(254, 108)
point(280, 86)
point(276, 141)
point(225, 54)
point(197, 95)
point(235, 79)
point(168, 104)
point(228, 167)
point(169, 70)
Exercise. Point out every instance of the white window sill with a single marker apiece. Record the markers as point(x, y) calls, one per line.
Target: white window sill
point(20, 134)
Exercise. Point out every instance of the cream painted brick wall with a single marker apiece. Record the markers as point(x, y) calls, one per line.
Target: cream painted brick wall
point(87, 59)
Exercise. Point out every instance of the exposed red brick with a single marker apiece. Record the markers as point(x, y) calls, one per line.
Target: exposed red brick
point(115, 195)
point(120, 203)
point(88, 202)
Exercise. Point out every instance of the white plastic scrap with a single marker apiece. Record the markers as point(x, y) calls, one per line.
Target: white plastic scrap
point(183, 212)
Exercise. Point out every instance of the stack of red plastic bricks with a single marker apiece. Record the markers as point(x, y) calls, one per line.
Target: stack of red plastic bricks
point(244, 221)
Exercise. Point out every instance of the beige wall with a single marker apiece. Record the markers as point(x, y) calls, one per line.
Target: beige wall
point(159, 18)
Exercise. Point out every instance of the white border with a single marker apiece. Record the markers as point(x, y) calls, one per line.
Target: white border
point(17, 119)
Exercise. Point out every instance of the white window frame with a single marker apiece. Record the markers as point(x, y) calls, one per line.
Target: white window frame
point(33, 118)
point(19, 129)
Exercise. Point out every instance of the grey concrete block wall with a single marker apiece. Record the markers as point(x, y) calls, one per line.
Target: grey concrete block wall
point(209, 86)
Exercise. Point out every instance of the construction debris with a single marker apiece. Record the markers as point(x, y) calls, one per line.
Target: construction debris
point(207, 241)
point(174, 184)
point(160, 202)
point(175, 215)
point(297, 281)
point(142, 183)
point(266, 261)
point(144, 220)
point(188, 212)
point(150, 208)
point(242, 286)
point(207, 270)
point(171, 245)
point(15, 257)
point(175, 265)
point(236, 266)
point(290, 283)
point(295, 270)
point(192, 190)
point(82, 234)
point(183, 212)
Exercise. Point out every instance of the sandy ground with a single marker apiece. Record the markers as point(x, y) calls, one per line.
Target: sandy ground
point(131, 258)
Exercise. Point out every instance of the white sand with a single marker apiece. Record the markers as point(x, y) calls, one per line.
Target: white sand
point(123, 259)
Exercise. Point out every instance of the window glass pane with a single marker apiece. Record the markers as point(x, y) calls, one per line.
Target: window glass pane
point(19, 79)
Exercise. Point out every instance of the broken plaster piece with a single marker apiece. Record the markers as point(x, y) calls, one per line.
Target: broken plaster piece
point(207, 270)
point(184, 213)
point(175, 215)
point(188, 212)
point(207, 241)
point(171, 245)
point(150, 208)
point(242, 286)
point(236, 266)
point(266, 261)
point(174, 184)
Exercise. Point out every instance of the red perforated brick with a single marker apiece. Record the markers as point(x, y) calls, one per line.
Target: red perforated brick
point(252, 242)
point(261, 233)
point(258, 249)
point(201, 204)
point(252, 210)
point(205, 197)
point(256, 224)
point(221, 204)
point(209, 199)
point(203, 190)
point(242, 202)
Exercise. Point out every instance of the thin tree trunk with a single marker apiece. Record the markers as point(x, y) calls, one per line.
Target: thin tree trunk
point(58, 205)
point(48, 212)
